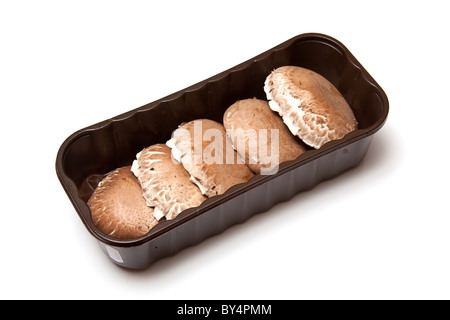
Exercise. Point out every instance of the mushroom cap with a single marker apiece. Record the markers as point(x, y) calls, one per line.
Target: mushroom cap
point(207, 154)
point(310, 105)
point(166, 185)
point(118, 208)
point(246, 120)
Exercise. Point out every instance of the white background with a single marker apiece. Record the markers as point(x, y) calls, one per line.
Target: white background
point(380, 231)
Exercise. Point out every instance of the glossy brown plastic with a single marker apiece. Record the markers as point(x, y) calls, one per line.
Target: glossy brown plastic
point(90, 153)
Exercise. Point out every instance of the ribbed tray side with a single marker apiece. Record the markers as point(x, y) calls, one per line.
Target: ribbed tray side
point(239, 209)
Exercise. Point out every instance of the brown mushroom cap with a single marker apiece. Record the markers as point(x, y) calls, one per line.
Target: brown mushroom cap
point(248, 116)
point(118, 208)
point(309, 104)
point(213, 164)
point(165, 183)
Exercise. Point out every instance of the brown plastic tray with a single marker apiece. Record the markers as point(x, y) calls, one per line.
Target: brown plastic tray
point(90, 153)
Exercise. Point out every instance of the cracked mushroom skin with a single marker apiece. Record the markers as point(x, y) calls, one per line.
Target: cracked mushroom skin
point(210, 159)
point(311, 106)
point(166, 185)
